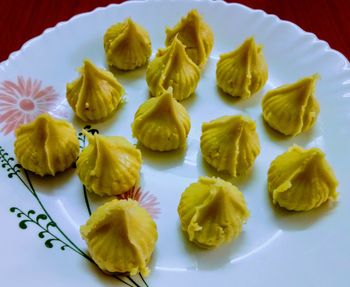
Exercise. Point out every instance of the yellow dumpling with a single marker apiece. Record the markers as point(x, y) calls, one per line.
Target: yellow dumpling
point(293, 108)
point(121, 236)
point(172, 68)
point(212, 212)
point(109, 165)
point(161, 123)
point(301, 179)
point(95, 95)
point(230, 143)
point(195, 34)
point(242, 72)
point(46, 145)
point(127, 45)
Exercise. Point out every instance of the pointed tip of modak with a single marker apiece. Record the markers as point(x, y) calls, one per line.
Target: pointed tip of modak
point(165, 99)
point(176, 48)
point(193, 15)
point(43, 120)
point(88, 68)
point(177, 43)
point(250, 46)
point(131, 25)
point(310, 81)
point(91, 137)
point(44, 117)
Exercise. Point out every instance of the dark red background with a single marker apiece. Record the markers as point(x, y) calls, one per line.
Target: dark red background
point(21, 20)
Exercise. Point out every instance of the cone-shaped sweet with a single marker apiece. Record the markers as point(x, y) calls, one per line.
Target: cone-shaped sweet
point(172, 68)
point(109, 165)
point(301, 179)
point(195, 34)
point(121, 237)
point(230, 143)
point(127, 45)
point(242, 72)
point(161, 123)
point(212, 212)
point(46, 145)
point(293, 108)
point(95, 95)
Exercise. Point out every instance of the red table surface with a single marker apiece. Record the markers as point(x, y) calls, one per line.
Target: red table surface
point(22, 20)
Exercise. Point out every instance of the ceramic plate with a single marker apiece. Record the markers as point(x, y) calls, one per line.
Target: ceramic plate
point(40, 244)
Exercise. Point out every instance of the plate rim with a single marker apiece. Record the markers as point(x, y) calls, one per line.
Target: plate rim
point(325, 45)
point(322, 45)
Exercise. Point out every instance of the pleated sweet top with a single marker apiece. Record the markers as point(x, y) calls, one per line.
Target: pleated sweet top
point(212, 212)
point(172, 68)
point(46, 145)
point(292, 108)
point(109, 165)
point(230, 143)
point(127, 45)
point(195, 34)
point(121, 237)
point(161, 123)
point(242, 72)
point(301, 179)
point(95, 95)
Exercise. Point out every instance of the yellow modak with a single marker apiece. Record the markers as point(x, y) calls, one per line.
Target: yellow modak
point(301, 179)
point(195, 34)
point(95, 95)
point(161, 124)
point(46, 145)
point(293, 108)
point(230, 143)
point(127, 45)
point(242, 72)
point(121, 236)
point(172, 68)
point(109, 165)
point(212, 212)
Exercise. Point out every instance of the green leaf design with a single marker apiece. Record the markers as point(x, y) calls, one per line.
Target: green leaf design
point(6, 163)
point(49, 230)
point(39, 220)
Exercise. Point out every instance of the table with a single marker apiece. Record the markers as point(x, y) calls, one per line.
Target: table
point(22, 20)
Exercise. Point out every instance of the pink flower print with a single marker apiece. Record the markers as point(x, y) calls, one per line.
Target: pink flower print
point(22, 102)
point(145, 199)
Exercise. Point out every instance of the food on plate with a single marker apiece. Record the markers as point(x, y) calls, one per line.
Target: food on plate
point(230, 143)
point(46, 145)
point(161, 123)
point(172, 68)
point(121, 237)
point(195, 34)
point(95, 95)
point(127, 45)
point(292, 108)
point(109, 165)
point(242, 72)
point(212, 212)
point(301, 179)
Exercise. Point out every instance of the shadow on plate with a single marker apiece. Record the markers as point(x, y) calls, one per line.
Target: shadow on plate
point(299, 220)
point(212, 259)
point(301, 139)
point(128, 77)
point(50, 183)
point(189, 102)
point(110, 279)
point(239, 103)
point(208, 170)
point(103, 124)
point(162, 160)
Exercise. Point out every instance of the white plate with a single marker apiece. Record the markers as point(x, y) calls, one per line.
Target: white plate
point(276, 248)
